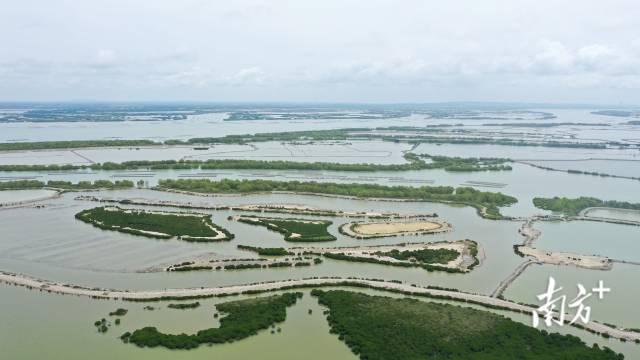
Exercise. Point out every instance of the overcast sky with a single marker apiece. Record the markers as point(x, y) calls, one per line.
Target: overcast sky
point(585, 51)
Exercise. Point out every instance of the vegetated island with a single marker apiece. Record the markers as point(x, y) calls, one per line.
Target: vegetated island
point(266, 251)
point(244, 319)
point(298, 230)
point(370, 230)
point(379, 327)
point(449, 256)
point(486, 203)
point(161, 225)
point(119, 312)
point(414, 162)
point(184, 306)
point(573, 207)
point(300, 260)
point(73, 144)
point(66, 185)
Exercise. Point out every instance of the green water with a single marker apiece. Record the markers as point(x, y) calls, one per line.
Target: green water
point(32, 330)
point(72, 251)
point(61, 327)
point(621, 242)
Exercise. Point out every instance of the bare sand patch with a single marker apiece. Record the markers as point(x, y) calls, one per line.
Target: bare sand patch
point(381, 228)
point(560, 258)
point(364, 230)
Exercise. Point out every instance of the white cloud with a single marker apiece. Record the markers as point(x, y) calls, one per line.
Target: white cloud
point(105, 58)
point(252, 75)
point(330, 50)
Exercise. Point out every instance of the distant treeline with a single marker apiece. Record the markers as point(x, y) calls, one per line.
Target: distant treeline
point(423, 135)
point(65, 185)
point(486, 202)
point(573, 207)
point(546, 124)
point(72, 144)
point(414, 163)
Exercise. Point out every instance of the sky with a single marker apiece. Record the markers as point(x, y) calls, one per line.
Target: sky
point(570, 51)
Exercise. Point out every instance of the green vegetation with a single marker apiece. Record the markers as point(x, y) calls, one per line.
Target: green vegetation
point(424, 256)
point(102, 325)
point(190, 268)
point(73, 144)
point(377, 327)
point(119, 312)
point(458, 164)
point(192, 305)
point(298, 230)
point(422, 134)
point(414, 162)
point(21, 184)
point(188, 227)
point(66, 185)
point(487, 203)
point(373, 260)
point(266, 251)
point(244, 319)
point(572, 207)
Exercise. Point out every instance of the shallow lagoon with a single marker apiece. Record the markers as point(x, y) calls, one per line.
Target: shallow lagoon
point(620, 242)
point(65, 249)
point(303, 335)
point(16, 196)
point(378, 152)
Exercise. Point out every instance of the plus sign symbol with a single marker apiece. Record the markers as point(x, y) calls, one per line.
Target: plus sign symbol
point(601, 290)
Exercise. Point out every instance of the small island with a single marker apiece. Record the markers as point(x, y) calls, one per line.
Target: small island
point(244, 318)
point(449, 256)
point(161, 225)
point(369, 230)
point(295, 230)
